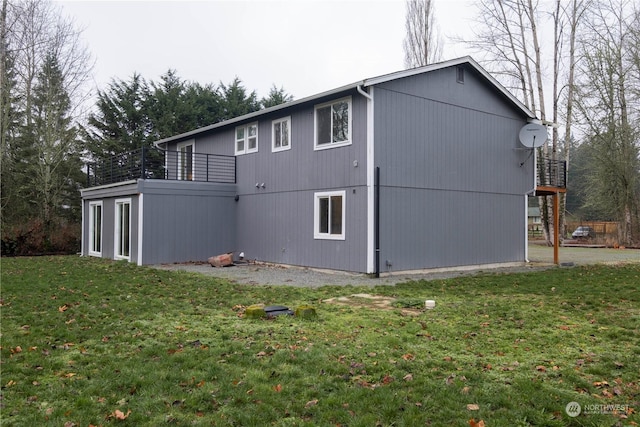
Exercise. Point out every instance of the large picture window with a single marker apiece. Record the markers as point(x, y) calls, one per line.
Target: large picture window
point(329, 215)
point(95, 228)
point(123, 229)
point(333, 124)
point(247, 139)
point(281, 134)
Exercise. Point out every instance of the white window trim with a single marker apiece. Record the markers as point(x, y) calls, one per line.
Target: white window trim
point(191, 143)
point(246, 149)
point(117, 231)
point(275, 149)
point(316, 215)
point(92, 231)
point(330, 145)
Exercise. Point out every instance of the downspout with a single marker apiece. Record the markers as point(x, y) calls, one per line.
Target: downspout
point(377, 221)
point(373, 246)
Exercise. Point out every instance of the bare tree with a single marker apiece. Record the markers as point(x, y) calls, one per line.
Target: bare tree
point(523, 42)
point(35, 35)
point(422, 43)
point(608, 106)
point(574, 11)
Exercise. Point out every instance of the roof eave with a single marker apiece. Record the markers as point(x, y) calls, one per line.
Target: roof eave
point(452, 63)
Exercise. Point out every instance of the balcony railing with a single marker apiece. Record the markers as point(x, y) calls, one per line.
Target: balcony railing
point(551, 173)
point(153, 163)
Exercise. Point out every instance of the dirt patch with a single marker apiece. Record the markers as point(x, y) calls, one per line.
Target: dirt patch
point(378, 302)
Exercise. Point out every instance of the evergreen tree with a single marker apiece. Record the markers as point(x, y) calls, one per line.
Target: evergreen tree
point(121, 123)
point(276, 97)
point(175, 106)
point(56, 168)
point(235, 101)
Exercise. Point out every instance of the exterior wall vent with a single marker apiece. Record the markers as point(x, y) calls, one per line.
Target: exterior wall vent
point(460, 74)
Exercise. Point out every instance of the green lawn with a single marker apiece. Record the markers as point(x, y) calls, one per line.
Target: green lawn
point(94, 342)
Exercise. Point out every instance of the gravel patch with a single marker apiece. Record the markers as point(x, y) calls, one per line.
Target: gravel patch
point(541, 257)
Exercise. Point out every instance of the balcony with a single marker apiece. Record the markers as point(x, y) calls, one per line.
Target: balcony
point(551, 176)
point(153, 163)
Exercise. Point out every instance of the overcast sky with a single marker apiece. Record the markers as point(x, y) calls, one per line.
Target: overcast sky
point(304, 46)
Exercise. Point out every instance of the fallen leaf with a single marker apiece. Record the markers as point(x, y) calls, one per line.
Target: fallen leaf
point(465, 390)
point(408, 377)
point(63, 308)
point(70, 424)
point(119, 415)
point(387, 379)
point(474, 423)
point(310, 403)
point(277, 388)
point(408, 356)
point(473, 407)
point(450, 379)
point(541, 368)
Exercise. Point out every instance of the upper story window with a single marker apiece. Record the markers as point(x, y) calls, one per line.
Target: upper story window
point(333, 124)
point(281, 134)
point(247, 139)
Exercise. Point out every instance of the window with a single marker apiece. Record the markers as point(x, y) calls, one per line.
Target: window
point(123, 229)
point(247, 139)
point(333, 124)
point(329, 216)
point(95, 228)
point(281, 134)
point(185, 161)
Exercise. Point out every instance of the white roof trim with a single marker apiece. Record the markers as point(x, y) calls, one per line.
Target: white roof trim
point(451, 63)
point(367, 82)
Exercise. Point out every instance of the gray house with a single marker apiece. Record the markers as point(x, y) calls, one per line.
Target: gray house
point(413, 170)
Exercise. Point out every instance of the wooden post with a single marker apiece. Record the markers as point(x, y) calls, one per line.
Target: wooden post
point(556, 227)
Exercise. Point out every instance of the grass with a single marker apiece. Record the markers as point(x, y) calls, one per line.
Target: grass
point(93, 342)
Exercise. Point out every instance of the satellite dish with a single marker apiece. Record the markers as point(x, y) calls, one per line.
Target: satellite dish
point(533, 135)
